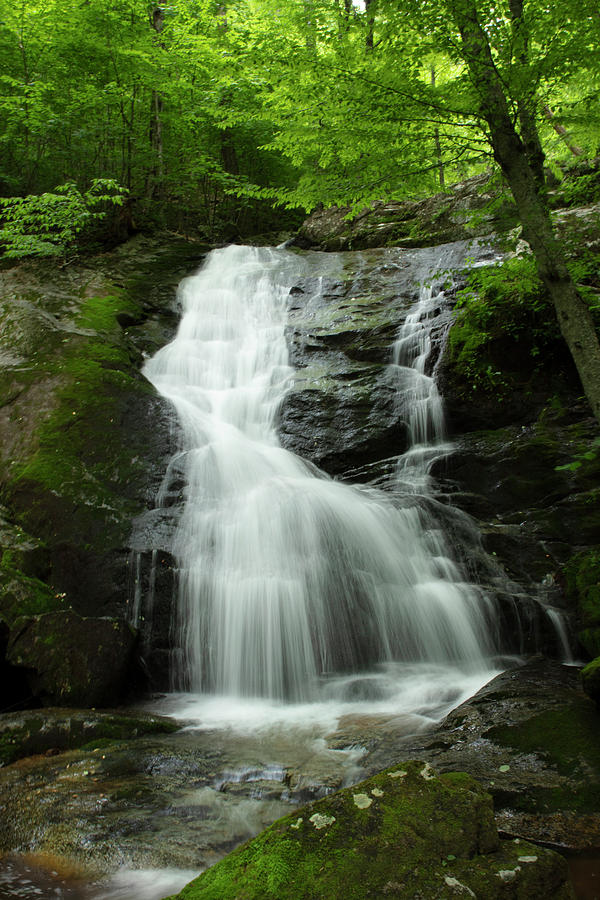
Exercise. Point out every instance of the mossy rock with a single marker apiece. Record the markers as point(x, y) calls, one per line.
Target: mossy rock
point(71, 660)
point(589, 638)
point(53, 730)
point(582, 574)
point(406, 832)
point(590, 679)
point(582, 583)
point(84, 438)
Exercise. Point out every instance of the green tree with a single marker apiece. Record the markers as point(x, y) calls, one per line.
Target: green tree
point(372, 125)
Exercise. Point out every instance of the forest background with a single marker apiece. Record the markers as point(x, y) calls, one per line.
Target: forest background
point(225, 119)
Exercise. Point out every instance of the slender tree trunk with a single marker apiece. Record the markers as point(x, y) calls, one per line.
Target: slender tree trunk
point(562, 132)
point(229, 157)
point(572, 312)
point(526, 105)
point(370, 11)
point(344, 17)
point(438, 146)
point(156, 105)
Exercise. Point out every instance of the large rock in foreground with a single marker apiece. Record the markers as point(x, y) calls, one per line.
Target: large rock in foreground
point(406, 833)
point(532, 739)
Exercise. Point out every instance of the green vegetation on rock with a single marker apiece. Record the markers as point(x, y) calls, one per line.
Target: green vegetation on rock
point(568, 737)
point(582, 574)
point(590, 677)
point(406, 832)
point(93, 379)
point(502, 304)
point(28, 733)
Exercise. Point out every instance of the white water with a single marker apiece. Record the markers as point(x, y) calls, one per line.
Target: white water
point(295, 587)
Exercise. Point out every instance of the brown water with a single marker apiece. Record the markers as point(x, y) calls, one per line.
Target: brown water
point(24, 878)
point(585, 875)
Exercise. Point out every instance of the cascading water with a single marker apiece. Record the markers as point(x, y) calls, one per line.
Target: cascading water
point(292, 584)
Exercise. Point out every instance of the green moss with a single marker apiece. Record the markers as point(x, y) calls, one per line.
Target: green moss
point(589, 638)
point(569, 739)
point(99, 313)
point(590, 679)
point(500, 303)
point(24, 736)
point(582, 574)
point(403, 833)
point(21, 595)
point(71, 460)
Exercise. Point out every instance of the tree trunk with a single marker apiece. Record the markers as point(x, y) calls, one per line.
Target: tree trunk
point(574, 318)
point(562, 132)
point(229, 157)
point(370, 11)
point(526, 105)
point(438, 146)
point(157, 20)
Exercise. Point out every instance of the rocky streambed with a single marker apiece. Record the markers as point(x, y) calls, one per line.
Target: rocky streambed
point(130, 793)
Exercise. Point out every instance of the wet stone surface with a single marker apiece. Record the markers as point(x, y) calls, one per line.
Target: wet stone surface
point(183, 800)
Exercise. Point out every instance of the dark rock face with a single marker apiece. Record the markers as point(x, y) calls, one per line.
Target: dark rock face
point(84, 440)
point(533, 514)
point(532, 739)
point(73, 661)
point(342, 412)
point(341, 386)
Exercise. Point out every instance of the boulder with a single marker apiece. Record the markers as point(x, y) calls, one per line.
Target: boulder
point(72, 660)
point(532, 739)
point(468, 209)
point(407, 832)
point(52, 731)
point(84, 438)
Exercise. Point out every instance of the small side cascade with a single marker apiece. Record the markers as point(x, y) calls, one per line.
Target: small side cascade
point(418, 393)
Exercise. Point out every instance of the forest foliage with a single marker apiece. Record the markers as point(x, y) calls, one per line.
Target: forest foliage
point(212, 117)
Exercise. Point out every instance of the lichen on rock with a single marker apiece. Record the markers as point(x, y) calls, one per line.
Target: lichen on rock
point(421, 837)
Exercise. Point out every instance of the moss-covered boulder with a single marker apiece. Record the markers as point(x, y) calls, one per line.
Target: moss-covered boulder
point(590, 679)
point(582, 585)
point(407, 832)
point(84, 438)
point(71, 660)
point(532, 739)
point(53, 730)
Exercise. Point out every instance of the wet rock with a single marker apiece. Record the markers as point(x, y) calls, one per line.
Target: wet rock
point(159, 800)
point(52, 731)
point(423, 223)
point(407, 832)
point(342, 411)
point(84, 439)
point(532, 505)
point(72, 660)
point(532, 739)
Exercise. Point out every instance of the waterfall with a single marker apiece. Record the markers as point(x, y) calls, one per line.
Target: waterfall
point(291, 582)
